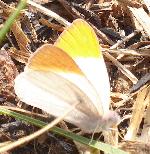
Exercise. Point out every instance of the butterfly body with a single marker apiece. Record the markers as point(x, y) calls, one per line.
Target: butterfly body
point(70, 71)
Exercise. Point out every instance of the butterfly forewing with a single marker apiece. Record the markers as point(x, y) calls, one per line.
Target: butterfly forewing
point(81, 43)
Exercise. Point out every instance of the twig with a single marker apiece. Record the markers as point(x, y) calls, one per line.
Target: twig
point(124, 40)
point(49, 13)
point(124, 70)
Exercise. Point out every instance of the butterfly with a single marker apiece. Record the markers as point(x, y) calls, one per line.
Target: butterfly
point(70, 71)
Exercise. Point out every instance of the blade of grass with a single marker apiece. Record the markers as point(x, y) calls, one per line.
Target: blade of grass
point(10, 20)
point(94, 144)
point(36, 134)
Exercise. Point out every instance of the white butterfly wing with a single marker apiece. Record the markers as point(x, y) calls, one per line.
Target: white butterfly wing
point(81, 43)
point(54, 94)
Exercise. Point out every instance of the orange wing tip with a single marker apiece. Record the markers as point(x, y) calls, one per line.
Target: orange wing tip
point(79, 40)
point(51, 58)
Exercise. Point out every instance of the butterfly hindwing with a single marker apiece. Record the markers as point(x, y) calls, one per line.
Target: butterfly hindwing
point(55, 95)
